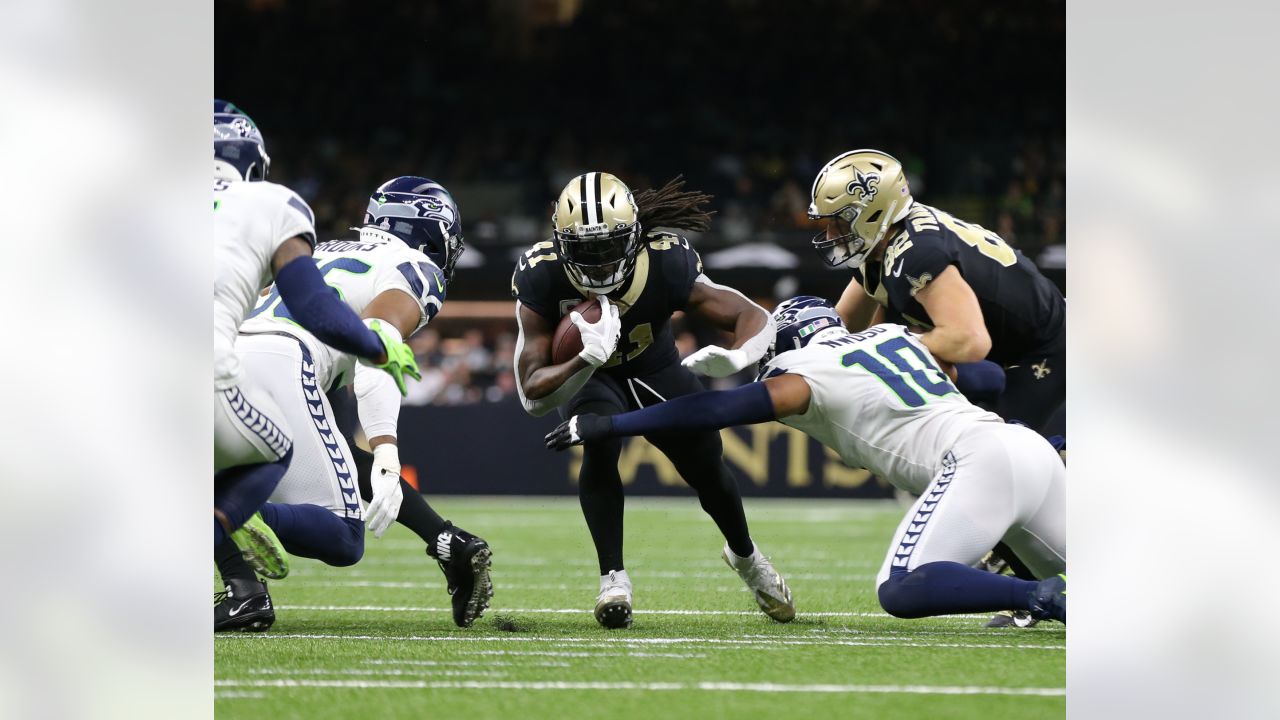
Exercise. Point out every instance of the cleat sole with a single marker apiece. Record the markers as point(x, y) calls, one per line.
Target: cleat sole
point(262, 550)
point(481, 586)
point(614, 615)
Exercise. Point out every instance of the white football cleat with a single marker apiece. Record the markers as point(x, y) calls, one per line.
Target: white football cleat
point(770, 590)
point(613, 604)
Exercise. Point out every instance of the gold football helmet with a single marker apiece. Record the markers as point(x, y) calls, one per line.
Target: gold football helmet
point(596, 225)
point(863, 192)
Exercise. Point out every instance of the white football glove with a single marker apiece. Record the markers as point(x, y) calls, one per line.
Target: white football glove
point(599, 339)
point(387, 495)
point(716, 361)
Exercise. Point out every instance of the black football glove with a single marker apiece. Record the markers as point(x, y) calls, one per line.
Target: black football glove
point(579, 429)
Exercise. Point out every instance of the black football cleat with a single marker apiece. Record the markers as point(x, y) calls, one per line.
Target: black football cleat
point(244, 605)
point(465, 559)
point(1049, 601)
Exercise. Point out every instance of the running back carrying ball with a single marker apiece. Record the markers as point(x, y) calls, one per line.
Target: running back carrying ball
point(567, 342)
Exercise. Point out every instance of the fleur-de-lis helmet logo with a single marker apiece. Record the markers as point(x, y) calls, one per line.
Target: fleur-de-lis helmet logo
point(864, 184)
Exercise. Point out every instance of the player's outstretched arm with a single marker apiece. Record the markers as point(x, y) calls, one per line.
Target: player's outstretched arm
point(729, 310)
point(959, 334)
point(542, 386)
point(775, 398)
point(316, 307)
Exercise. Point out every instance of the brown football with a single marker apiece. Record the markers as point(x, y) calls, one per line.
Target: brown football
point(567, 342)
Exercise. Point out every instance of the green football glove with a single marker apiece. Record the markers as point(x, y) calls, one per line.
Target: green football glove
point(400, 360)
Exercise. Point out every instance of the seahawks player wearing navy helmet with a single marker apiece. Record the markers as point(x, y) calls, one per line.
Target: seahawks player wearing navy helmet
point(264, 231)
point(878, 399)
point(978, 297)
point(423, 215)
point(607, 244)
point(396, 269)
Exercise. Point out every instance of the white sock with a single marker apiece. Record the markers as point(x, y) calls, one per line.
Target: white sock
point(738, 559)
point(621, 575)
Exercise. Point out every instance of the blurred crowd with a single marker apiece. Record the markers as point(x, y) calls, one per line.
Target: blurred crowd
point(504, 101)
point(472, 367)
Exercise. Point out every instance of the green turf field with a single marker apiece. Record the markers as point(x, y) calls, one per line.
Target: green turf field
point(376, 641)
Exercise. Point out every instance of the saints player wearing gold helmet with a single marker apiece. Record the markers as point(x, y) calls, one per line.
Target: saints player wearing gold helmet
point(978, 298)
point(606, 244)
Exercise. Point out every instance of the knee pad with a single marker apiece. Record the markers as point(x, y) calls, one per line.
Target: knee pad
point(348, 547)
point(897, 597)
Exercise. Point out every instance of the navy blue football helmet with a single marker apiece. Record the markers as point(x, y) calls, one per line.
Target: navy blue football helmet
point(422, 214)
point(239, 152)
point(224, 107)
point(797, 320)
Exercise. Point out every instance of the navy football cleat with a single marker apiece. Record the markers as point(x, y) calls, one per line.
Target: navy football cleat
point(465, 559)
point(244, 605)
point(1049, 601)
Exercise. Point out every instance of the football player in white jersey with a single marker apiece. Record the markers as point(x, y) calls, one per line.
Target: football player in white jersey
point(263, 231)
point(880, 401)
point(396, 271)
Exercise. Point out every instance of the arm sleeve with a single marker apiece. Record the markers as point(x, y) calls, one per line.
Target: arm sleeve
point(377, 401)
point(711, 410)
point(756, 345)
point(544, 405)
point(421, 280)
point(318, 308)
point(982, 380)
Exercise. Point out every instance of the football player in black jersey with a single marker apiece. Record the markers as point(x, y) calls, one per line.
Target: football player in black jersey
point(978, 297)
point(606, 244)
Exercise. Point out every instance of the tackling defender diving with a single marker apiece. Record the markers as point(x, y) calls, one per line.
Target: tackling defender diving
point(879, 400)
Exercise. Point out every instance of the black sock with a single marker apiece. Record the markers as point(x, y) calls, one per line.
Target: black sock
point(602, 500)
point(699, 461)
point(720, 500)
point(418, 515)
point(415, 512)
point(231, 564)
point(1019, 568)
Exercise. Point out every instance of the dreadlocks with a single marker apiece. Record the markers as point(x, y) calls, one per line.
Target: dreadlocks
point(671, 207)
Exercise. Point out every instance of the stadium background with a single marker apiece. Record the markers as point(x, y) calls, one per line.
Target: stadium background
point(504, 100)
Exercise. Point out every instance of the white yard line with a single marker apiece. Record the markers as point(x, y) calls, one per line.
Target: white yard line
point(586, 611)
point(637, 576)
point(238, 695)
point(376, 672)
point(643, 641)
point(701, 686)
point(484, 663)
point(580, 654)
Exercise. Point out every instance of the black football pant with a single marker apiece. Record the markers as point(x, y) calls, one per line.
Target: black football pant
point(1035, 395)
point(696, 457)
point(1035, 392)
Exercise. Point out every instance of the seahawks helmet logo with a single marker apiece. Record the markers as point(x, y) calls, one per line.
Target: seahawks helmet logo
point(427, 206)
point(865, 184)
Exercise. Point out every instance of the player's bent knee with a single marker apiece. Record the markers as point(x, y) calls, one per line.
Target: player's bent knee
point(899, 598)
point(348, 547)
